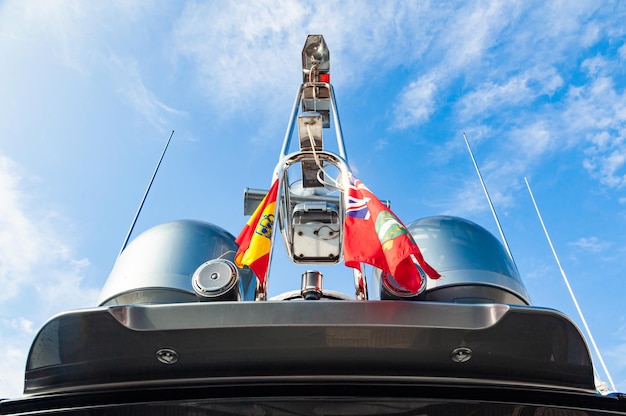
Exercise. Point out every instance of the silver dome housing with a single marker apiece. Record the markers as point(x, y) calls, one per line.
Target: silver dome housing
point(474, 266)
point(158, 265)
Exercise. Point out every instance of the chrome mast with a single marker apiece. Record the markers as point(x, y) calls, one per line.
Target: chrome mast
point(311, 204)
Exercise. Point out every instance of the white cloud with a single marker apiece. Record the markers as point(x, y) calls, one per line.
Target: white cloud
point(86, 45)
point(440, 43)
point(20, 324)
point(18, 250)
point(591, 34)
point(16, 335)
point(597, 113)
point(535, 40)
point(32, 253)
point(381, 144)
point(417, 102)
point(595, 66)
point(539, 271)
point(258, 44)
point(35, 264)
point(139, 97)
point(240, 50)
point(592, 115)
point(12, 368)
point(466, 201)
point(473, 29)
point(526, 38)
point(590, 244)
point(467, 33)
point(492, 98)
point(596, 105)
point(67, 29)
point(532, 141)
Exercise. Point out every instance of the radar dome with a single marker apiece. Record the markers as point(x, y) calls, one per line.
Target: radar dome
point(158, 265)
point(473, 264)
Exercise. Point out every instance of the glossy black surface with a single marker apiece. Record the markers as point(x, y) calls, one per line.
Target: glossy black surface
point(119, 346)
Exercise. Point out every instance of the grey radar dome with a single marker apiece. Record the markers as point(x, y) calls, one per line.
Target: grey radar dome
point(474, 266)
point(158, 265)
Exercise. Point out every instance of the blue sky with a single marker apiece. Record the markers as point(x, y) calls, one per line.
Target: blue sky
point(91, 91)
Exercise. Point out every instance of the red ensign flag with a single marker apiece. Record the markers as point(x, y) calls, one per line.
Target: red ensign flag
point(374, 235)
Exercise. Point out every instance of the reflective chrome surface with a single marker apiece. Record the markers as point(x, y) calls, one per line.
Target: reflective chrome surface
point(216, 279)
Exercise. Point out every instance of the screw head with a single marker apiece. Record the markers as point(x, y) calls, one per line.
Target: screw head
point(167, 356)
point(461, 354)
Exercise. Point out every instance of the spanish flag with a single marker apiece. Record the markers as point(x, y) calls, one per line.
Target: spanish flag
point(256, 237)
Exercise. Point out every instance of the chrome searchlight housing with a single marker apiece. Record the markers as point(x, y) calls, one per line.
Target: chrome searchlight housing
point(315, 59)
point(316, 78)
point(312, 285)
point(216, 280)
point(391, 289)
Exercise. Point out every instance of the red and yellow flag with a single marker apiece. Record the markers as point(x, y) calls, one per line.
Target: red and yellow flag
point(256, 237)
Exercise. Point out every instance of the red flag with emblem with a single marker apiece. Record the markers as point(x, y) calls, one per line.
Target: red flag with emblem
point(374, 235)
point(256, 236)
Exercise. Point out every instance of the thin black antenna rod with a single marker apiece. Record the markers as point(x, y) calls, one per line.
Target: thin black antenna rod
point(145, 195)
point(493, 211)
point(569, 288)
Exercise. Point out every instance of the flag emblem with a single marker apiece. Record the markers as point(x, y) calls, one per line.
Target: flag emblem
point(388, 227)
point(265, 226)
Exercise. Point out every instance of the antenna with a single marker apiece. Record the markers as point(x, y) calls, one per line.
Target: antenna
point(493, 211)
point(569, 288)
point(145, 195)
